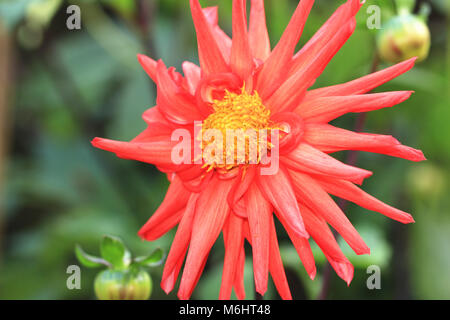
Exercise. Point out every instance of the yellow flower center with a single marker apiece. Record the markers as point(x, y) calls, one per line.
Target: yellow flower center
point(237, 132)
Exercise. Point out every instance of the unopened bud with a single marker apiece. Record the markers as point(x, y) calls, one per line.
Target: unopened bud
point(123, 285)
point(403, 37)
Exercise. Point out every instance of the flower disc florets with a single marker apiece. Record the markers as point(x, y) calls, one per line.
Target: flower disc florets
point(237, 132)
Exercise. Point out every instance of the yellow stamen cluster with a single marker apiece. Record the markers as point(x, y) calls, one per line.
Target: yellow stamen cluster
point(245, 115)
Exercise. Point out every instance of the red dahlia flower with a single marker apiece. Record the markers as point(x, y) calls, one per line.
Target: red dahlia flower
point(243, 84)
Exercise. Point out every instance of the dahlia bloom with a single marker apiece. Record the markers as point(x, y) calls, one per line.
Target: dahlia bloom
point(243, 83)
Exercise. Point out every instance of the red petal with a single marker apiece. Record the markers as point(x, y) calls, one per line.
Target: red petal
point(364, 84)
point(331, 139)
point(276, 66)
point(169, 212)
point(211, 15)
point(149, 66)
point(154, 117)
point(405, 152)
point(158, 126)
point(308, 159)
point(222, 39)
point(241, 57)
point(234, 242)
point(244, 180)
point(193, 74)
point(278, 190)
point(239, 279)
point(211, 58)
point(325, 34)
point(258, 35)
point(310, 193)
point(325, 109)
point(348, 191)
point(200, 183)
point(210, 215)
point(259, 213)
point(292, 91)
point(157, 152)
point(179, 246)
point(344, 269)
point(322, 235)
point(276, 266)
point(303, 250)
point(177, 106)
point(325, 240)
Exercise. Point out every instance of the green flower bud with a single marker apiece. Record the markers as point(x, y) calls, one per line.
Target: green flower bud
point(125, 278)
point(403, 37)
point(123, 285)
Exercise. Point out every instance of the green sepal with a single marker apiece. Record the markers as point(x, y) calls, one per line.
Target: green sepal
point(88, 260)
point(152, 260)
point(113, 250)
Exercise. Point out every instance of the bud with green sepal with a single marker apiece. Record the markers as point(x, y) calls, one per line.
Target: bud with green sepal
point(405, 35)
point(125, 278)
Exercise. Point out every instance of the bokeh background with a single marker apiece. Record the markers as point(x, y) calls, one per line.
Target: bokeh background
point(61, 88)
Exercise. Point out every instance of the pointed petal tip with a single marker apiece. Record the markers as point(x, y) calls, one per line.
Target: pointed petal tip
point(348, 277)
point(301, 232)
point(261, 289)
point(421, 156)
point(410, 62)
point(141, 57)
point(165, 287)
point(409, 93)
point(412, 154)
point(364, 250)
point(107, 144)
point(94, 141)
point(100, 143)
point(313, 274)
point(360, 180)
point(408, 219)
point(141, 233)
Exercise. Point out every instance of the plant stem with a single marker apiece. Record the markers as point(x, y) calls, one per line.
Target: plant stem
point(145, 18)
point(351, 159)
point(5, 88)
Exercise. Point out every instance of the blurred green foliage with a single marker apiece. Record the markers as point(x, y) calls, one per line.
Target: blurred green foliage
point(70, 86)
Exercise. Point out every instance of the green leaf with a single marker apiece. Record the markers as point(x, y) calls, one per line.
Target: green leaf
point(88, 260)
point(114, 251)
point(152, 260)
